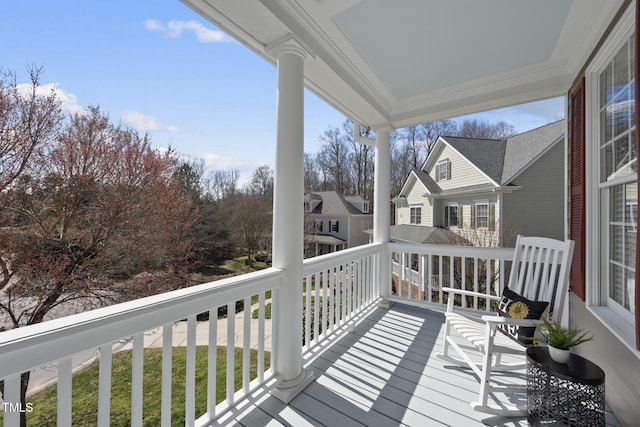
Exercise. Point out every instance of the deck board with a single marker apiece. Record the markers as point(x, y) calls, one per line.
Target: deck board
point(383, 373)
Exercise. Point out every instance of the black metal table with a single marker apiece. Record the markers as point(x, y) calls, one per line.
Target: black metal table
point(570, 393)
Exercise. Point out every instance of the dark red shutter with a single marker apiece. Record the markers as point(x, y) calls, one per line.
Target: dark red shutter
point(577, 187)
point(637, 146)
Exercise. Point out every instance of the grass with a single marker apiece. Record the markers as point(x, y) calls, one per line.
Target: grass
point(85, 388)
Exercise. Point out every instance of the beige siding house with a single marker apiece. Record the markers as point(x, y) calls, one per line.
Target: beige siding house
point(486, 191)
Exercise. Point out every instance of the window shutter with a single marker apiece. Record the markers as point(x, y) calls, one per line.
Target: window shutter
point(637, 113)
point(577, 186)
point(460, 211)
point(448, 169)
point(492, 217)
point(437, 174)
point(446, 216)
point(473, 216)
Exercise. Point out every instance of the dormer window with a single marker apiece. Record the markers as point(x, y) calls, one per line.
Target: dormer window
point(443, 170)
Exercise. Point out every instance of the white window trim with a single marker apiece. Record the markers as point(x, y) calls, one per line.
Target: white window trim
point(411, 216)
point(442, 162)
point(482, 202)
point(622, 325)
point(457, 206)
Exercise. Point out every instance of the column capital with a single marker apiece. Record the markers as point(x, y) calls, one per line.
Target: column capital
point(289, 44)
point(383, 127)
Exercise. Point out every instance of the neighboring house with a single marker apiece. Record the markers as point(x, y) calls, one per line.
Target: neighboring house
point(335, 222)
point(486, 191)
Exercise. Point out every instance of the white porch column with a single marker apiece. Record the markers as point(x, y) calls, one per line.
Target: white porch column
point(288, 233)
point(381, 209)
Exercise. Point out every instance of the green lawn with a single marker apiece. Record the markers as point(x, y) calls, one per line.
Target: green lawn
point(85, 388)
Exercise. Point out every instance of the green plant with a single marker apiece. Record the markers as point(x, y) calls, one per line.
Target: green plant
point(558, 336)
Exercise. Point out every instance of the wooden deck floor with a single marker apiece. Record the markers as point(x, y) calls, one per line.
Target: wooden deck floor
point(383, 373)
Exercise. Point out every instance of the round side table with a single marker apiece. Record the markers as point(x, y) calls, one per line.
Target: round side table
point(571, 393)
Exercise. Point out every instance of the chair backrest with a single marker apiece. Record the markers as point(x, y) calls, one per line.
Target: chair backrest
point(540, 271)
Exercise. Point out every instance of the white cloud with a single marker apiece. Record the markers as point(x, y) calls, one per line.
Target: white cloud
point(175, 29)
point(68, 101)
point(144, 122)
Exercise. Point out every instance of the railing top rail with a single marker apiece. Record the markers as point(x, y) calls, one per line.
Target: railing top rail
point(30, 346)
point(322, 262)
point(453, 250)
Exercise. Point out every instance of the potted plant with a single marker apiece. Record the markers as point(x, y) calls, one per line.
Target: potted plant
point(561, 339)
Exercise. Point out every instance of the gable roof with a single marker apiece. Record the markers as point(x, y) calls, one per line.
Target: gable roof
point(502, 160)
point(486, 154)
point(334, 203)
point(523, 149)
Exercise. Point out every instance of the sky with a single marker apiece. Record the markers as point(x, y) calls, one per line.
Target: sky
point(159, 67)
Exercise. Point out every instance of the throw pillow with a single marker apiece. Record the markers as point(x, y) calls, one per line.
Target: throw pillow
point(518, 307)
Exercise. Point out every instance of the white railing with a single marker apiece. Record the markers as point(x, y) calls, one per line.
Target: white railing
point(336, 288)
point(134, 325)
point(421, 271)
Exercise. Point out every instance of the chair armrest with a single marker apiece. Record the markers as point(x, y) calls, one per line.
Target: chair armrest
point(470, 293)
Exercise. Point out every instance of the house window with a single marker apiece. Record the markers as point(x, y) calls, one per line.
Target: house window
point(618, 174)
point(451, 216)
point(317, 225)
point(416, 215)
point(611, 180)
point(333, 226)
point(482, 215)
point(443, 170)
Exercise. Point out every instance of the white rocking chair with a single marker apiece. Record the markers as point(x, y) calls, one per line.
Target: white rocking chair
point(539, 272)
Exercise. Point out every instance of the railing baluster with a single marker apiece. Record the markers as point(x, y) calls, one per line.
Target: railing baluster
point(307, 317)
point(212, 362)
point(246, 346)
point(167, 365)
point(231, 338)
point(137, 375)
point(12, 396)
point(325, 306)
point(190, 380)
point(261, 326)
point(64, 391)
point(332, 298)
point(316, 309)
point(104, 385)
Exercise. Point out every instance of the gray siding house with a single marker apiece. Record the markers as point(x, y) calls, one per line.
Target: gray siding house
point(335, 222)
point(486, 191)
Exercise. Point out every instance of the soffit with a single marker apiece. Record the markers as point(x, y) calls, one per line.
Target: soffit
point(411, 61)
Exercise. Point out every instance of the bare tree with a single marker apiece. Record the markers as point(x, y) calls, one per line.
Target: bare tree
point(28, 120)
point(362, 160)
point(222, 184)
point(333, 159)
point(483, 129)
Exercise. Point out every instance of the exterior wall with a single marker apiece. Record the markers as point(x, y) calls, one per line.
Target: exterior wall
point(622, 376)
point(478, 236)
point(463, 174)
point(537, 209)
point(357, 225)
point(416, 198)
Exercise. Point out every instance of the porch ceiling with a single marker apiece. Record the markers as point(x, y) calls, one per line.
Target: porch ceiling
point(410, 61)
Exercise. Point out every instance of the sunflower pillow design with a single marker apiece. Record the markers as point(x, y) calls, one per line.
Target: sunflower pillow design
point(518, 307)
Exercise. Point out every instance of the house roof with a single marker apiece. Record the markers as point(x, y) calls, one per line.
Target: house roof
point(523, 149)
point(423, 234)
point(333, 203)
point(486, 154)
point(502, 160)
point(378, 64)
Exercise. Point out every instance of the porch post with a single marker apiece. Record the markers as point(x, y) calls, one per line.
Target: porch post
point(381, 209)
point(288, 233)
